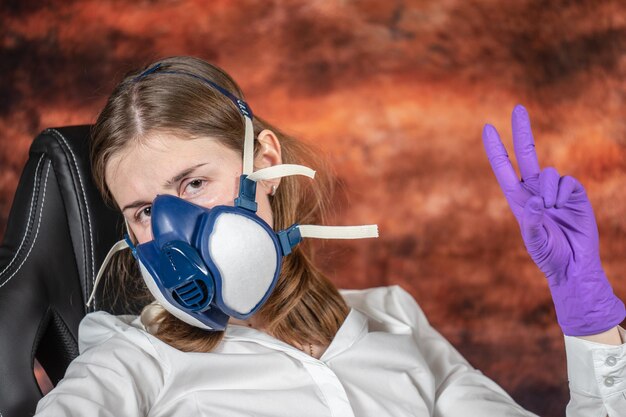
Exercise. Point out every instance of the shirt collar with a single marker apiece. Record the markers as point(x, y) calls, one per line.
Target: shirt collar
point(351, 331)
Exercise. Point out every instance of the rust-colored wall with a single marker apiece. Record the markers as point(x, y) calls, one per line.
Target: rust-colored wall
point(396, 92)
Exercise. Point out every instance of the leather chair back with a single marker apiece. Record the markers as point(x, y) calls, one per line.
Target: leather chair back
point(57, 235)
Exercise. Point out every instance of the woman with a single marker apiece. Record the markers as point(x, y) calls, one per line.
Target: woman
point(298, 346)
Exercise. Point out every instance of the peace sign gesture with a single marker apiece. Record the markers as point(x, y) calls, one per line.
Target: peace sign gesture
point(559, 230)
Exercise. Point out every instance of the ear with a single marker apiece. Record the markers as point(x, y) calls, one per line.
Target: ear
point(267, 155)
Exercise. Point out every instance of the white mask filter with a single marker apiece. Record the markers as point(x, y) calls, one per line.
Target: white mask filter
point(246, 257)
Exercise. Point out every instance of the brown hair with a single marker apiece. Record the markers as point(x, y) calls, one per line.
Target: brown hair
point(305, 307)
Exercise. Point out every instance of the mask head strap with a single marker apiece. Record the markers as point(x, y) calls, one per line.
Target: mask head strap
point(243, 107)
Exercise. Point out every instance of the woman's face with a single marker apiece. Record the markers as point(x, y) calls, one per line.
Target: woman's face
point(201, 171)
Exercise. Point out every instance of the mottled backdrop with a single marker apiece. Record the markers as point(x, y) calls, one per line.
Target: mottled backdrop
point(396, 93)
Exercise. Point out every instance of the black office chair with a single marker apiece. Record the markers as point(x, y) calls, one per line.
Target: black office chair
point(58, 232)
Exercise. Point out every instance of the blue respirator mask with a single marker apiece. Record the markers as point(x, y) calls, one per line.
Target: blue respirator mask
point(207, 265)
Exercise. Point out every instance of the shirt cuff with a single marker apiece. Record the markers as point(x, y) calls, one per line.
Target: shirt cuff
point(595, 369)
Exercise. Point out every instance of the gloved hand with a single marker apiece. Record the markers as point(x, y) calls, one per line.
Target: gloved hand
point(559, 231)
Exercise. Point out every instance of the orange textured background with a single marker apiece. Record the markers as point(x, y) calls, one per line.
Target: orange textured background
point(396, 92)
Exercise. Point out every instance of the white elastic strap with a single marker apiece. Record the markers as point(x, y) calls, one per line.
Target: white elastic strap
point(128, 232)
point(279, 171)
point(338, 232)
point(116, 248)
point(248, 148)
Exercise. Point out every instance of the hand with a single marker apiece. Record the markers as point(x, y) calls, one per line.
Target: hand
point(559, 230)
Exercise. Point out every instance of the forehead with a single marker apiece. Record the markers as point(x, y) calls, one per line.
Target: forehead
point(144, 165)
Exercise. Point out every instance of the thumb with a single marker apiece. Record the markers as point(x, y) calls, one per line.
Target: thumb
point(533, 232)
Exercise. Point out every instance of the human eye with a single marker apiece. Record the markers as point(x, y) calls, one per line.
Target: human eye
point(143, 214)
point(192, 187)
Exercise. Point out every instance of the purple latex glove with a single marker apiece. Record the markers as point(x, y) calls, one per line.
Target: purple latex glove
point(559, 231)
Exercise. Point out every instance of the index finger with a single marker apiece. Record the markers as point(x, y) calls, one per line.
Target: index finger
point(500, 162)
point(524, 143)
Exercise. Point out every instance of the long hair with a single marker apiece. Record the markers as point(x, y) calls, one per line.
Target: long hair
point(304, 307)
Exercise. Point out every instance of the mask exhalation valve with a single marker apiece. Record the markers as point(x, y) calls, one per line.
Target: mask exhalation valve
point(187, 276)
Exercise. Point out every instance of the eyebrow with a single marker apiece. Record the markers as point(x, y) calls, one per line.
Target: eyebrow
point(181, 175)
point(168, 184)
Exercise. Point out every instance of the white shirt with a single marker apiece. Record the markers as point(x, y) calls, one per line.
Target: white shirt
point(386, 360)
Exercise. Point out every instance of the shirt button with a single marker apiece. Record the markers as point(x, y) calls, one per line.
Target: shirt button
point(609, 381)
point(611, 361)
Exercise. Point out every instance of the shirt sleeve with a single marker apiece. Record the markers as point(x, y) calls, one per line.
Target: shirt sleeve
point(597, 378)
point(118, 377)
point(461, 390)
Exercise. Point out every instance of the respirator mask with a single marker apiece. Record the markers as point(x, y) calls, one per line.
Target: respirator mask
point(207, 265)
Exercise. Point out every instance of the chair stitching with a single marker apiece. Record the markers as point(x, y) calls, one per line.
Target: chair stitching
point(30, 210)
point(57, 133)
point(43, 200)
